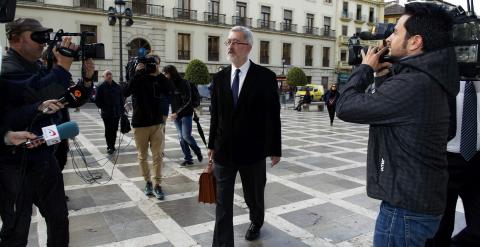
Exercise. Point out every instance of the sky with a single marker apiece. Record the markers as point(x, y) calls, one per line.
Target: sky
point(463, 3)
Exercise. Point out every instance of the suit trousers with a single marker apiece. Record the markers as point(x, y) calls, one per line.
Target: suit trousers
point(111, 128)
point(464, 182)
point(253, 178)
point(153, 136)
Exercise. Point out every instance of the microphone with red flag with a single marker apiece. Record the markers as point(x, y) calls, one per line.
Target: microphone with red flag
point(75, 96)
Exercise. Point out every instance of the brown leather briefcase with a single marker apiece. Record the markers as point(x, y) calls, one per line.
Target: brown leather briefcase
point(207, 192)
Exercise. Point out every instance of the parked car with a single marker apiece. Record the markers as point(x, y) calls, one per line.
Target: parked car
point(316, 91)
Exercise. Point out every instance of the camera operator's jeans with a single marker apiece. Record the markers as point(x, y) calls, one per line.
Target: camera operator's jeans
point(153, 136)
point(184, 131)
point(401, 227)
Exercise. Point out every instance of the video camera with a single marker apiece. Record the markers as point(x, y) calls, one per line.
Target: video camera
point(465, 40)
point(149, 62)
point(95, 51)
point(381, 31)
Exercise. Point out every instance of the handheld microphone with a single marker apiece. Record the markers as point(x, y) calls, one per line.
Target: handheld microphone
point(53, 134)
point(75, 97)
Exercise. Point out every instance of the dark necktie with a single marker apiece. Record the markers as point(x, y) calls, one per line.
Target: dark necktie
point(235, 87)
point(468, 141)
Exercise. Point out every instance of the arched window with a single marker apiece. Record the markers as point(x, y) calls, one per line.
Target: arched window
point(136, 44)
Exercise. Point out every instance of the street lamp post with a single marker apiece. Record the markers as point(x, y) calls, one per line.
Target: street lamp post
point(283, 66)
point(120, 12)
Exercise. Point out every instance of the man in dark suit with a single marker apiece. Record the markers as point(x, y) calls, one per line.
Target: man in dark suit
point(244, 130)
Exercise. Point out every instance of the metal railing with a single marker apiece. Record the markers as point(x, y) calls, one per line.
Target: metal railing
point(288, 27)
point(146, 9)
point(308, 61)
point(213, 56)
point(185, 14)
point(264, 59)
point(30, 1)
point(325, 62)
point(310, 30)
point(327, 32)
point(265, 24)
point(89, 4)
point(361, 18)
point(183, 55)
point(214, 18)
point(241, 21)
point(346, 15)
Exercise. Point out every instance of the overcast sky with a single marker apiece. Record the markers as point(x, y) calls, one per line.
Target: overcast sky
point(463, 3)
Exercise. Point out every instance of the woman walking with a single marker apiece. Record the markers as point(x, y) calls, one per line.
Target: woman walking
point(331, 98)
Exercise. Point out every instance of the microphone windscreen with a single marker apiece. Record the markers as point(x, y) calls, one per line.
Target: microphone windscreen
point(68, 130)
point(142, 52)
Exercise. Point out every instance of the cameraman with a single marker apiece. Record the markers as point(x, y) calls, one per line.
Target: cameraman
point(32, 176)
point(408, 115)
point(148, 88)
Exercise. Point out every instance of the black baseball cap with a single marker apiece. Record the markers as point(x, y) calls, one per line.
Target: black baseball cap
point(21, 25)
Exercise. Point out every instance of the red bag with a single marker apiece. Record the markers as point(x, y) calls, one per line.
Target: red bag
point(207, 192)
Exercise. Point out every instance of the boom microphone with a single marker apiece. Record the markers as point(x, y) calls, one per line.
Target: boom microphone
point(53, 134)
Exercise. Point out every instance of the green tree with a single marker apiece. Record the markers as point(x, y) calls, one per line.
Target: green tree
point(197, 72)
point(296, 77)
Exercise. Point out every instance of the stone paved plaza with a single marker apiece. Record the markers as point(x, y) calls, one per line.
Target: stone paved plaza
point(314, 197)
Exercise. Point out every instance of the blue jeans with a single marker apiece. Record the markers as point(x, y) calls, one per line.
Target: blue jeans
point(402, 227)
point(184, 130)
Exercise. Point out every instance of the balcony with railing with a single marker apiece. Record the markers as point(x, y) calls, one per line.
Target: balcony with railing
point(183, 55)
point(310, 30)
point(264, 59)
point(327, 32)
point(288, 27)
point(213, 56)
point(325, 62)
point(214, 18)
point(30, 1)
point(241, 21)
point(343, 65)
point(146, 9)
point(346, 16)
point(360, 19)
point(265, 24)
point(308, 61)
point(184, 14)
point(372, 21)
point(89, 4)
point(343, 39)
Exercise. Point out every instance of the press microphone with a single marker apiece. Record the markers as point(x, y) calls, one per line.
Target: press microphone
point(75, 97)
point(53, 134)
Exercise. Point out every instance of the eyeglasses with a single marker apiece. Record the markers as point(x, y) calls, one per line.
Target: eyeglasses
point(234, 42)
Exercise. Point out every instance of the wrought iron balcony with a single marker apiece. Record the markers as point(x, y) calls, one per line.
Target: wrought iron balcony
point(185, 14)
point(89, 4)
point(146, 9)
point(183, 55)
point(288, 27)
point(241, 21)
point(360, 19)
point(327, 32)
point(214, 18)
point(30, 1)
point(346, 16)
point(265, 24)
point(310, 30)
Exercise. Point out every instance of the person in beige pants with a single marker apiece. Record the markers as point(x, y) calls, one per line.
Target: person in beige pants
point(150, 91)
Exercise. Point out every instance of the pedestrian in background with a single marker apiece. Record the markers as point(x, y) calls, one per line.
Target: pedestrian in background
point(109, 99)
point(306, 100)
point(331, 98)
point(182, 114)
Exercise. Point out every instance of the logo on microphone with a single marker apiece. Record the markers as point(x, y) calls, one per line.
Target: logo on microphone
point(77, 93)
point(50, 135)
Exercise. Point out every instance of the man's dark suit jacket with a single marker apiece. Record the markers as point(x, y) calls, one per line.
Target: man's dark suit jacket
point(251, 131)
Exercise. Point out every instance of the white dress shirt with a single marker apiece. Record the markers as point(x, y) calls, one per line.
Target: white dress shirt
point(454, 144)
point(243, 73)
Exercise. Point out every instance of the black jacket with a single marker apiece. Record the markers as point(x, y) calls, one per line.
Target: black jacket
point(251, 131)
point(25, 86)
point(181, 100)
point(334, 95)
point(409, 119)
point(109, 98)
point(148, 98)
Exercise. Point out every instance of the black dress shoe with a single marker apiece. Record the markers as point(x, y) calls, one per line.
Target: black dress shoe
point(253, 232)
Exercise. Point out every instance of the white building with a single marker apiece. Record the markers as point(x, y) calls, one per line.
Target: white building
point(354, 17)
point(286, 33)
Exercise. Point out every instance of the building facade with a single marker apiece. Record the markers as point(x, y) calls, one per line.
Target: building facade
point(354, 16)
